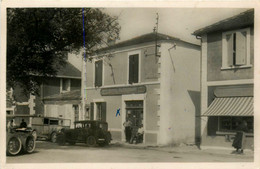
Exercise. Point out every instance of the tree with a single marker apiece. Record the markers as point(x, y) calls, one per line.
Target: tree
point(38, 40)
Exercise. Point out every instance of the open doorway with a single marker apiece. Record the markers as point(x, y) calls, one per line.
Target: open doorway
point(134, 113)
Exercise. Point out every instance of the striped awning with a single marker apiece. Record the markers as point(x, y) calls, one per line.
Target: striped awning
point(231, 106)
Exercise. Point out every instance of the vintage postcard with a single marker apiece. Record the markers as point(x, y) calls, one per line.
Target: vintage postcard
point(96, 84)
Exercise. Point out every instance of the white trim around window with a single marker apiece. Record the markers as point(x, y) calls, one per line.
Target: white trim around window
point(225, 61)
point(139, 65)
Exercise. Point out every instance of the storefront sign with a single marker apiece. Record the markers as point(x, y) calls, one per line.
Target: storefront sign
point(122, 90)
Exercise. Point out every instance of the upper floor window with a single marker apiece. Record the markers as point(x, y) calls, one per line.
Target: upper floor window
point(236, 49)
point(133, 76)
point(65, 85)
point(98, 73)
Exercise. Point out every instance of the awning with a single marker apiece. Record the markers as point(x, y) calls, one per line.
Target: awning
point(231, 106)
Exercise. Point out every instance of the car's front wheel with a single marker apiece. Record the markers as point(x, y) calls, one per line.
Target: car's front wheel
point(14, 146)
point(54, 137)
point(91, 141)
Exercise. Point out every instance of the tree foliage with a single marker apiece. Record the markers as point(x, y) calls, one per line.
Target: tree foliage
point(39, 39)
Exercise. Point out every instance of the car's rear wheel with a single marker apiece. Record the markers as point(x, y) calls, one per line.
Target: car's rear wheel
point(14, 146)
point(54, 137)
point(30, 144)
point(91, 141)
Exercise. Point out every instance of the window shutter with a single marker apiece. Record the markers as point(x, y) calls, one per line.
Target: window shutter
point(240, 48)
point(91, 111)
point(98, 73)
point(130, 78)
point(230, 49)
point(103, 111)
point(135, 67)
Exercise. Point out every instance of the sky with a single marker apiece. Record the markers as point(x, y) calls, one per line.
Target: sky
point(176, 22)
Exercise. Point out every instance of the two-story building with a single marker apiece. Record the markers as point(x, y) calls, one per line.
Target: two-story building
point(227, 79)
point(157, 87)
point(59, 96)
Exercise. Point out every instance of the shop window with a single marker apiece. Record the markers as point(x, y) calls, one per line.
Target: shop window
point(231, 123)
point(65, 85)
point(98, 73)
point(236, 49)
point(133, 76)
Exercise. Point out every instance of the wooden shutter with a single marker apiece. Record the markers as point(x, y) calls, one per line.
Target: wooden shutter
point(98, 73)
point(136, 68)
point(91, 111)
point(133, 68)
point(131, 63)
point(230, 49)
point(241, 48)
point(103, 111)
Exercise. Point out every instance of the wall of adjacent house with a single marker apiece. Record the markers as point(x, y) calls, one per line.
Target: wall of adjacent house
point(214, 45)
point(179, 93)
point(51, 86)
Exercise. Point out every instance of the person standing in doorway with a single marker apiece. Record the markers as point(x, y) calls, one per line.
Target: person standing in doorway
point(128, 129)
point(239, 141)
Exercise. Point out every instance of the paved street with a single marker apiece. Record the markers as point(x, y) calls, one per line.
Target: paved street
point(47, 152)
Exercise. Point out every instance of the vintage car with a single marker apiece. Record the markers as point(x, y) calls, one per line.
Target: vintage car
point(19, 140)
point(42, 127)
point(90, 132)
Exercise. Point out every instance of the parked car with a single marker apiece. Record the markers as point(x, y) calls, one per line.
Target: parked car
point(90, 132)
point(42, 127)
point(19, 140)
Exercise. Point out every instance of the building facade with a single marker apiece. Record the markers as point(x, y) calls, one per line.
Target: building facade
point(227, 79)
point(59, 96)
point(157, 87)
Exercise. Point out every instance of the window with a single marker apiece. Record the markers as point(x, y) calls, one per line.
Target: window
point(65, 85)
point(98, 73)
point(133, 76)
point(231, 123)
point(54, 122)
point(236, 49)
point(76, 112)
point(100, 113)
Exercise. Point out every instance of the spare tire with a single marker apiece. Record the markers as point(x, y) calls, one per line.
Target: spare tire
point(14, 146)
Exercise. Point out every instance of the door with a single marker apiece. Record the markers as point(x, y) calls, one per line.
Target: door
point(134, 112)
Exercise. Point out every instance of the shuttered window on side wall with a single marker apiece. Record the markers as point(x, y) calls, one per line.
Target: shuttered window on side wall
point(98, 73)
point(133, 68)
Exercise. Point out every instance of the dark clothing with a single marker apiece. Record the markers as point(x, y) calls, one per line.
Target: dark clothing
point(23, 125)
point(239, 141)
point(128, 133)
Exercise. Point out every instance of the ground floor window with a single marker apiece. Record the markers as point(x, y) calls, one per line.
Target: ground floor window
point(76, 112)
point(231, 123)
point(100, 111)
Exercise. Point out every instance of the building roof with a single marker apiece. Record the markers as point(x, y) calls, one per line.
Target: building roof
point(150, 37)
point(71, 95)
point(69, 71)
point(239, 21)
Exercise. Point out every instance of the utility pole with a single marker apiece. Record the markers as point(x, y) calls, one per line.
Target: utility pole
point(83, 74)
point(155, 29)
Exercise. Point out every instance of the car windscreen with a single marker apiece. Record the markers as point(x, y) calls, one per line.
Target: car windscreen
point(103, 126)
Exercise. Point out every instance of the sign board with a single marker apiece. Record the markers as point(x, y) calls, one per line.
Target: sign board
point(122, 90)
